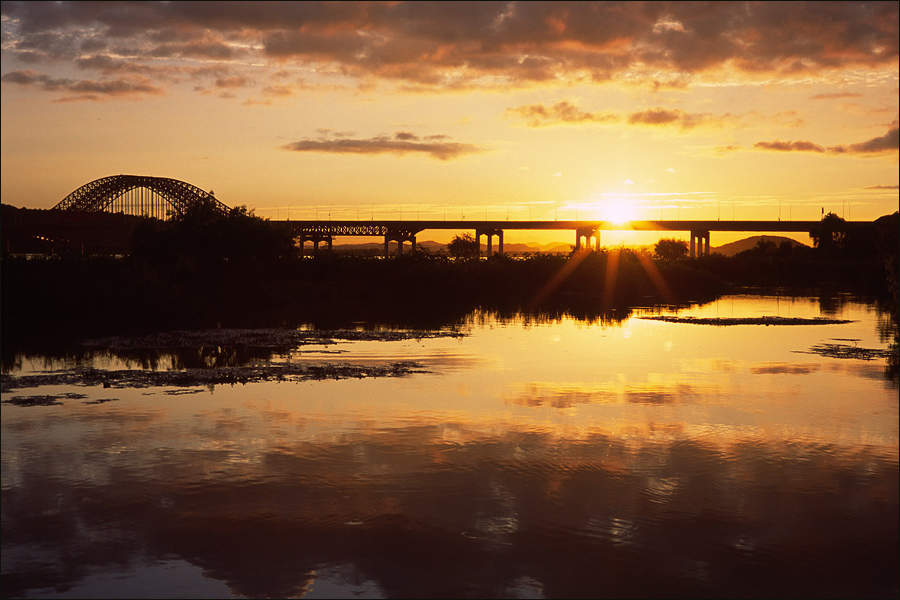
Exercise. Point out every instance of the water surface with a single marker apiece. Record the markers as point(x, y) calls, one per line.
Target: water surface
point(529, 458)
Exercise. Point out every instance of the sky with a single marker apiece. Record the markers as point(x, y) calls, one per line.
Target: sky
point(462, 110)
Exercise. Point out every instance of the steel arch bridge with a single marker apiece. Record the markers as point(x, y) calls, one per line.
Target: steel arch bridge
point(159, 197)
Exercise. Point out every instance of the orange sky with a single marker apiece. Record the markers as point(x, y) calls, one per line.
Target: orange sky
point(462, 110)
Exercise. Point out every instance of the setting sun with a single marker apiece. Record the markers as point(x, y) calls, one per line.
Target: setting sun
point(618, 211)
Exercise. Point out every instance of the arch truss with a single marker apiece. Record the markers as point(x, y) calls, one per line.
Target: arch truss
point(159, 197)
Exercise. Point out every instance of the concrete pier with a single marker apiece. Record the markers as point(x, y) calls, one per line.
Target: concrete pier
point(490, 233)
point(701, 238)
point(587, 233)
point(399, 236)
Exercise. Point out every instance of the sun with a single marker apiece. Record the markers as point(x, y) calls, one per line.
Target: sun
point(618, 211)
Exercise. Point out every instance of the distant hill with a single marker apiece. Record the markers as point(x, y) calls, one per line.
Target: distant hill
point(750, 243)
point(555, 248)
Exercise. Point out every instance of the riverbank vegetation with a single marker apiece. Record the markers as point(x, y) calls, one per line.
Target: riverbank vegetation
point(208, 270)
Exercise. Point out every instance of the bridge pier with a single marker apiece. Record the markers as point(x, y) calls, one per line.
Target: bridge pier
point(315, 239)
point(587, 233)
point(490, 233)
point(399, 236)
point(701, 238)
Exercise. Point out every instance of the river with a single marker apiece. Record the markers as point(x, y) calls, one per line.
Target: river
point(523, 458)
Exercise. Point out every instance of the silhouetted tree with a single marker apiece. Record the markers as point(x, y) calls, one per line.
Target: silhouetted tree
point(670, 249)
point(205, 235)
point(830, 235)
point(464, 246)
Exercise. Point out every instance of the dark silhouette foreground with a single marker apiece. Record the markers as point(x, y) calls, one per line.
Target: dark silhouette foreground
point(205, 270)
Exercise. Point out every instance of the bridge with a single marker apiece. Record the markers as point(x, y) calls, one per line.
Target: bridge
point(585, 231)
point(99, 217)
point(164, 198)
point(140, 195)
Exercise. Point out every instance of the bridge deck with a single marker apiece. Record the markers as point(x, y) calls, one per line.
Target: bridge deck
point(380, 227)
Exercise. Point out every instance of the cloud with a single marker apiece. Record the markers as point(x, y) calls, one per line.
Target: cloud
point(158, 73)
point(253, 102)
point(882, 187)
point(84, 89)
point(453, 44)
point(720, 150)
point(233, 82)
point(400, 143)
point(215, 50)
point(563, 112)
point(779, 146)
point(109, 65)
point(277, 90)
point(835, 96)
point(887, 143)
point(325, 132)
point(655, 116)
point(566, 113)
point(665, 116)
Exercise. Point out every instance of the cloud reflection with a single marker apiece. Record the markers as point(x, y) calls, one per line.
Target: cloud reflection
point(404, 512)
point(567, 396)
